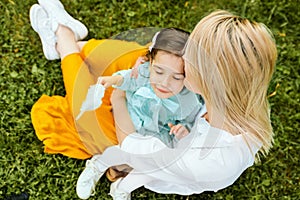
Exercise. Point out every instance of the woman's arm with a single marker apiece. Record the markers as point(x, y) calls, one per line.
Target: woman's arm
point(123, 123)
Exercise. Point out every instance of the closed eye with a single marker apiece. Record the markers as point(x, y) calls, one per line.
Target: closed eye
point(178, 77)
point(158, 72)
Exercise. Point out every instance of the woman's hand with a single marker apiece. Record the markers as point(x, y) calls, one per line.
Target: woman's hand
point(108, 81)
point(178, 130)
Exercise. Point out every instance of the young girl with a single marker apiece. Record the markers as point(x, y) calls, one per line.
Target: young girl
point(157, 97)
point(158, 103)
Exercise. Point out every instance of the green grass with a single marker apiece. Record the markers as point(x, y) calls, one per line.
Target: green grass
point(25, 75)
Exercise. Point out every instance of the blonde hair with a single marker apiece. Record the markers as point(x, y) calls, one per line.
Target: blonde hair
point(234, 60)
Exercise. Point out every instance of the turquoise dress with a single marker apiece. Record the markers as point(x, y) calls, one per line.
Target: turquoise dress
point(150, 114)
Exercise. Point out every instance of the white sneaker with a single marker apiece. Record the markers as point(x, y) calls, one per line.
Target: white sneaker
point(88, 179)
point(40, 23)
point(58, 14)
point(116, 193)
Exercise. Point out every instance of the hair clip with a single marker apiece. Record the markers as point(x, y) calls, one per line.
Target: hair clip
point(153, 41)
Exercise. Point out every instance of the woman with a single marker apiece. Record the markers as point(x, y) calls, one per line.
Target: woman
point(229, 61)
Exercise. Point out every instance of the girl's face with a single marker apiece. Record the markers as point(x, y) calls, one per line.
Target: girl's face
point(166, 74)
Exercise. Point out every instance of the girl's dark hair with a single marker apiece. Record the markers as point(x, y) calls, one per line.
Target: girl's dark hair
point(171, 40)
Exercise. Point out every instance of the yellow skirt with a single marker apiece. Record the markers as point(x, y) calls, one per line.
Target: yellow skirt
point(53, 117)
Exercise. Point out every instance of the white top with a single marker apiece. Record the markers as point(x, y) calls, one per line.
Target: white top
point(208, 159)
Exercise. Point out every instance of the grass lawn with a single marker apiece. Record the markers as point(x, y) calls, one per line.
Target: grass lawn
point(25, 75)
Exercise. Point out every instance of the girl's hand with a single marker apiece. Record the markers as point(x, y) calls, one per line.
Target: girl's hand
point(108, 81)
point(135, 70)
point(178, 130)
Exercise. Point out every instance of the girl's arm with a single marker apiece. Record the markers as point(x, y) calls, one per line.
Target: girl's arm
point(123, 123)
point(108, 81)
